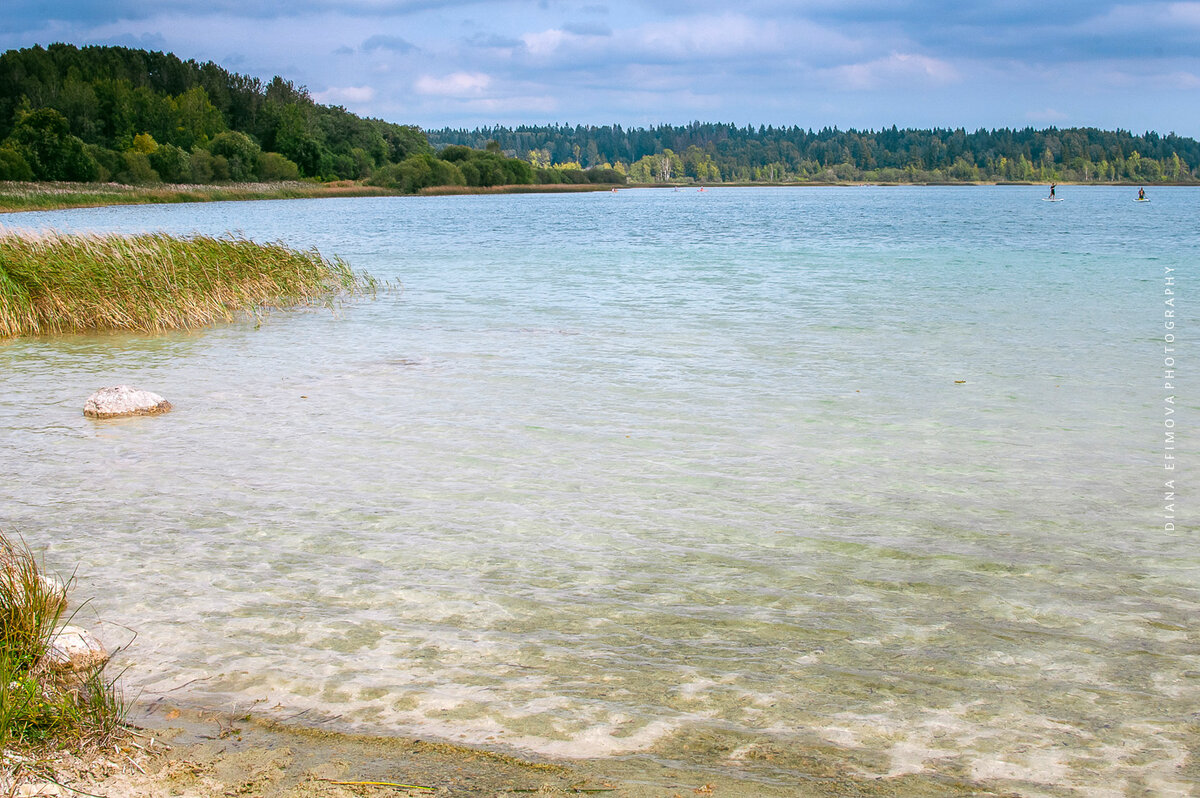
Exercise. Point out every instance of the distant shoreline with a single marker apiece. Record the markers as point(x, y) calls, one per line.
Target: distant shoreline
point(23, 197)
point(19, 197)
point(44, 196)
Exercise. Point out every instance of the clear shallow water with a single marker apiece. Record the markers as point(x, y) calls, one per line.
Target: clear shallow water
point(684, 476)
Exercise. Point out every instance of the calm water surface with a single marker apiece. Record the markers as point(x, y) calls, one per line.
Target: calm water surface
point(768, 482)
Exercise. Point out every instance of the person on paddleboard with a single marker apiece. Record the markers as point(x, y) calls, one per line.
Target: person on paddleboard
point(1052, 187)
point(1141, 193)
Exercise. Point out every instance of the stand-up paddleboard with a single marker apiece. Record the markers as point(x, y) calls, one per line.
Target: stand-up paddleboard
point(1141, 200)
point(1052, 199)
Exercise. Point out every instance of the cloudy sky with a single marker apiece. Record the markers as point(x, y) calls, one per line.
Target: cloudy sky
point(845, 63)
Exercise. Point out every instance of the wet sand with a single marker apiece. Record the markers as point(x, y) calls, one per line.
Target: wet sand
point(183, 752)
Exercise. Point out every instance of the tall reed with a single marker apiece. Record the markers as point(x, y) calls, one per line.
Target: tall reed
point(54, 283)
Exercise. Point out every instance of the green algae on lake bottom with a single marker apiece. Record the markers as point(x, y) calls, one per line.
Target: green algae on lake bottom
point(251, 755)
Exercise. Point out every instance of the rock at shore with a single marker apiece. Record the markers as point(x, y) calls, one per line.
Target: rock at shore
point(75, 650)
point(124, 400)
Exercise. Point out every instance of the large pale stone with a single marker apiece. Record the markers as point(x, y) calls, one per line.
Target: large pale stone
point(124, 400)
point(73, 649)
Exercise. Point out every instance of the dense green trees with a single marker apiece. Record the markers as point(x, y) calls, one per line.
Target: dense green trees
point(462, 166)
point(113, 113)
point(716, 152)
point(417, 172)
point(42, 139)
point(100, 113)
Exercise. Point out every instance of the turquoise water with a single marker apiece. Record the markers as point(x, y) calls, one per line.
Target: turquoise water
point(742, 481)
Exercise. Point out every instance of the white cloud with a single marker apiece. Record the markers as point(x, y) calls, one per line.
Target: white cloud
point(1139, 34)
point(347, 94)
point(898, 69)
point(708, 36)
point(757, 44)
point(1170, 81)
point(516, 105)
point(1181, 80)
point(1124, 19)
point(1185, 14)
point(546, 42)
point(1112, 63)
point(383, 42)
point(1046, 116)
point(457, 84)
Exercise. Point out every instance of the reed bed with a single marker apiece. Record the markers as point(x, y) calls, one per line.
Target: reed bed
point(56, 283)
point(23, 196)
point(533, 188)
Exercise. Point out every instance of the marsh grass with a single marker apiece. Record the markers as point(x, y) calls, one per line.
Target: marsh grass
point(39, 707)
point(55, 283)
point(19, 196)
point(535, 188)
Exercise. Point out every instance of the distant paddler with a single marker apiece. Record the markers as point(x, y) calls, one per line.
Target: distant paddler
point(1052, 187)
point(1142, 193)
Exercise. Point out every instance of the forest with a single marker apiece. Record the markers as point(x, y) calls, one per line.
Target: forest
point(115, 114)
point(98, 114)
point(705, 152)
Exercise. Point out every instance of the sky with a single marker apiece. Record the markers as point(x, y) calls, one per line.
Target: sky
point(863, 64)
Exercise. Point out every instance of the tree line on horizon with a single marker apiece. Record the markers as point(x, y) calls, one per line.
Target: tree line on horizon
point(711, 152)
point(99, 114)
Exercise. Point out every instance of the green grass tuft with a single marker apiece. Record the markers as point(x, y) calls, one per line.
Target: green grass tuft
point(38, 707)
point(55, 283)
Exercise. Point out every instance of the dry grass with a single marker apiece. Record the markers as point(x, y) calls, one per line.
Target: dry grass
point(535, 188)
point(55, 283)
point(17, 196)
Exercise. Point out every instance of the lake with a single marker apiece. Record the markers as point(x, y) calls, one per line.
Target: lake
point(778, 482)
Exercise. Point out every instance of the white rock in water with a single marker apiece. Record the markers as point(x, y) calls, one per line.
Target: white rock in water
point(73, 648)
point(124, 400)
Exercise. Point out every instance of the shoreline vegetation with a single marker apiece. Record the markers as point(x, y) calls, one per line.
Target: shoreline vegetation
point(57, 283)
point(99, 115)
point(22, 197)
point(713, 153)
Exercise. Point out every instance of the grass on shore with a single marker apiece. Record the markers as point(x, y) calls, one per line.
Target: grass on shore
point(40, 708)
point(533, 188)
point(17, 196)
point(55, 283)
